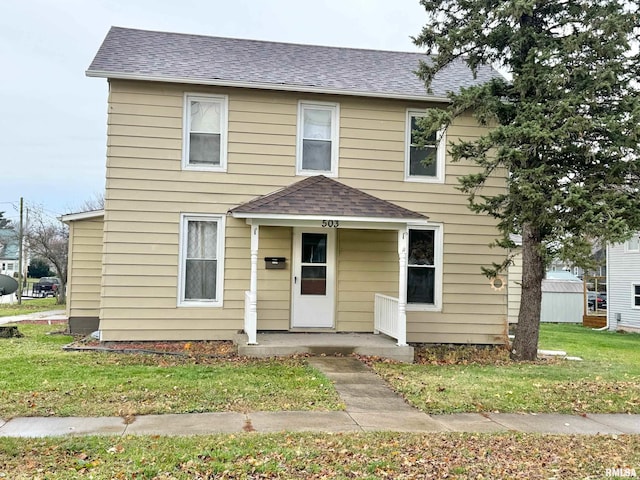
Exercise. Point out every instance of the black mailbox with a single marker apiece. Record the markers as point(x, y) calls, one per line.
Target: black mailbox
point(275, 263)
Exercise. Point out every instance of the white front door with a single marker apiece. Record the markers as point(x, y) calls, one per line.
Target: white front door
point(313, 282)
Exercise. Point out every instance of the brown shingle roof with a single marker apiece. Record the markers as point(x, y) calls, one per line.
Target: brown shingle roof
point(174, 57)
point(319, 195)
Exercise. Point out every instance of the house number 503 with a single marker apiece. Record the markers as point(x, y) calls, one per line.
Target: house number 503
point(330, 223)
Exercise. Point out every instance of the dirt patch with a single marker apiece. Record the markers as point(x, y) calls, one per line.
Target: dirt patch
point(210, 348)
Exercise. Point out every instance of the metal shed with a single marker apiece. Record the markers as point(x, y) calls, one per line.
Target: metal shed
point(562, 300)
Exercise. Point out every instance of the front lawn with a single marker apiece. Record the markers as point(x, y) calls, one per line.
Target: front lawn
point(316, 456)
point(39, 379)
point(30, 306)
point(468, 379)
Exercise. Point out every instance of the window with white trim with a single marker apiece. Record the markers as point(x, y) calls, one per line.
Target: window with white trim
point(423, 164)
point(205, 132)
point(201, 260)
point(636, 296)
point(424, 266)
point(633, 244)
point(317, 149)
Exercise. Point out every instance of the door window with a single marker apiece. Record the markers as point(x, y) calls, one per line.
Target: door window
point(314, 264)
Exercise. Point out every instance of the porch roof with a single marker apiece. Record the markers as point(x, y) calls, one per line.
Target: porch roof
point(322, 197)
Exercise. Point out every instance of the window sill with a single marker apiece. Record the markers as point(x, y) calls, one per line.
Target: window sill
point(203, 168)
point(423, 307)
point(199, 304)
point(424, 179)
point(313, 173)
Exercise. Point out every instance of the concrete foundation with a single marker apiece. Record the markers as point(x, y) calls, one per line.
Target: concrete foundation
point(284, 344)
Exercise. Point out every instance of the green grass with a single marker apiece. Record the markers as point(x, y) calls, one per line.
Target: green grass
point(39, 379)
point(30, 306)
point(315, 456)
point(606, 381)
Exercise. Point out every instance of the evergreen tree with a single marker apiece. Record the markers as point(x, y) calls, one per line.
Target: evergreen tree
point(38, 268)
point(566, 127)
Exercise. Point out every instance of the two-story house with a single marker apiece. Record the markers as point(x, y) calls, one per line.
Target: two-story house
point(260, 186)
point(9, 246)
point(623, 285)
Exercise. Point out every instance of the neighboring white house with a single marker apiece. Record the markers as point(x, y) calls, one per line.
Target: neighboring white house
point(623, 285)
point(8, 252)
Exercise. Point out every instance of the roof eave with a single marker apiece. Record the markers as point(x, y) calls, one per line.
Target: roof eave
point(263, 86)
point(81, 216)
point(291, 216)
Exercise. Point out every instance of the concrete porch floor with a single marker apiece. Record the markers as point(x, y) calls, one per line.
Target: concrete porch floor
point(291, 343)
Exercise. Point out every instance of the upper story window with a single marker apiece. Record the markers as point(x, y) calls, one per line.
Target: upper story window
point(424, 268)
point(633, 244)
point(317, 149)
point(424, 164)
point(205, 132)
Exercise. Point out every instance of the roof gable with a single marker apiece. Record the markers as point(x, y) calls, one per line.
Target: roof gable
point(322, 196)
point(182, 58)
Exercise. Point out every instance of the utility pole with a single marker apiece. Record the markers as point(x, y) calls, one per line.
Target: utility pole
point(20, 239)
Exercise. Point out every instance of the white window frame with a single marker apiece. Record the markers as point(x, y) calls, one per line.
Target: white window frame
point(334, 108)
point(633, 296)
point(441, 152)
point(627, 245)
point(223, 100)
point(438, 240)
point(184, 219)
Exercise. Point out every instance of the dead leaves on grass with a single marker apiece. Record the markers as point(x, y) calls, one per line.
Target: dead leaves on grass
point(195, 349)
point(321, 456)
point(461, 355)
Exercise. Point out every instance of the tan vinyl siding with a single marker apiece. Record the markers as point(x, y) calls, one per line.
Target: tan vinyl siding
point(147, 190)
point(367, 263)
point(84, 268)
point(274, 286)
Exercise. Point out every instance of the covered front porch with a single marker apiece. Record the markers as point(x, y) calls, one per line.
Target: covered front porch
point(333, 231)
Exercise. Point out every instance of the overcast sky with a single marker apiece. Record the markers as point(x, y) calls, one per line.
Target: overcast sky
point(53, 121)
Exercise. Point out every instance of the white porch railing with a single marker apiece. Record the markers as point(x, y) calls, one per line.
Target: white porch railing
point(250, 319)
point(386, 316)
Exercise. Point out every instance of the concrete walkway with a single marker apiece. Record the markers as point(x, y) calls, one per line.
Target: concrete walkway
point(48, 315)
point(370, 406)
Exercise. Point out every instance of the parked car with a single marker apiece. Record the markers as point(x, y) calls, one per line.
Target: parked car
point(599, 297)
point(46, 286)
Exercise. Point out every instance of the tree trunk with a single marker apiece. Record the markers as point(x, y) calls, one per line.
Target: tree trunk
point(525, 344)
point(62, 294)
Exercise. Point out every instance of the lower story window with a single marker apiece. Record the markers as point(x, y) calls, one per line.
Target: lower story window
point(200, 263)
point(636, 296)
point(423, 265)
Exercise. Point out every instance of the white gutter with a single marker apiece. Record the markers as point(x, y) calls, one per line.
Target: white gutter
point(280, 216)
point(81, 216)
point(262, 86)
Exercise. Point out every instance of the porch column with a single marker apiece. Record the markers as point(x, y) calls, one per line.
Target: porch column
point(403, 240)
point(251, 323)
